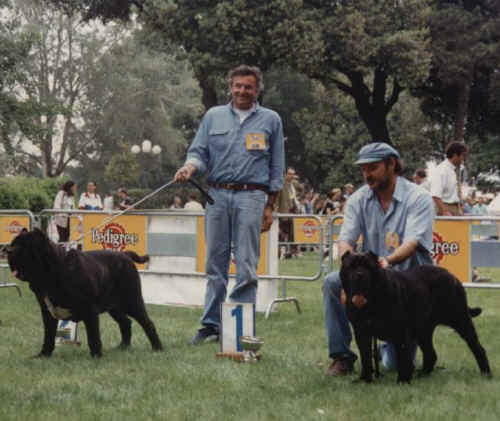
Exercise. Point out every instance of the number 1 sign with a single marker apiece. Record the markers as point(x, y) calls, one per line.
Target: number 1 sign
point(238, 319)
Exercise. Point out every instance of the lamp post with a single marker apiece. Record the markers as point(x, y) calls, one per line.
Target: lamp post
point(147, 149)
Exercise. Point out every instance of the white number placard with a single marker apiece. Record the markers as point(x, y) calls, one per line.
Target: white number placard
point(238, 319)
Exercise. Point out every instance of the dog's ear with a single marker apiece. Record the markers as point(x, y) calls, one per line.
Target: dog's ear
point(345, 257)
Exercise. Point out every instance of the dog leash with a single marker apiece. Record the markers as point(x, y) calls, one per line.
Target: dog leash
point(205, 194)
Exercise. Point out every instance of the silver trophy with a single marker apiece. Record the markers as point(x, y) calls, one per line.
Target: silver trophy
point(251, 346)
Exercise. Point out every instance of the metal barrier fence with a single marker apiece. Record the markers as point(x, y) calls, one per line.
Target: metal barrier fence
point(12, 221)
point(175, 242)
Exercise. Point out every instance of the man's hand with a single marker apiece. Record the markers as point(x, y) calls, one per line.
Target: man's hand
point(184, 173)
point(267, 219)
point(384, 263)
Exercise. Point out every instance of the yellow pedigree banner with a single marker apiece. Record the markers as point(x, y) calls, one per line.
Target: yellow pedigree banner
point(306, 230)
point(128, 232)
point(11, 226)
point(201, 256)
point(451, 247)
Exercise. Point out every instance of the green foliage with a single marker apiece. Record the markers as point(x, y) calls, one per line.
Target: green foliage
point(29, 193)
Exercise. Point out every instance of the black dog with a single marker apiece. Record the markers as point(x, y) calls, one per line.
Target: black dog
point(403, 308)
point(77, 285)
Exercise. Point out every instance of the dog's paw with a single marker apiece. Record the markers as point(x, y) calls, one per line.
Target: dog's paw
point(42, 354)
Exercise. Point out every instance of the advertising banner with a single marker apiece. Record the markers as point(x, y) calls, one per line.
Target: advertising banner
point(11, 226)
point(127, 232)
point(451, 247)
point(201, 255)
point(306, 230)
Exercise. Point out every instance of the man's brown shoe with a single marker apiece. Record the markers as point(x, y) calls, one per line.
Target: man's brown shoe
point(340, 368)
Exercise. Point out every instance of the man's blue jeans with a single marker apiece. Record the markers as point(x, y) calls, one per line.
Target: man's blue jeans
point(235, 219)
point(338, 330)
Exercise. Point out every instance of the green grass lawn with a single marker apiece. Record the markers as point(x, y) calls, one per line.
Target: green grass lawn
point(188, 383)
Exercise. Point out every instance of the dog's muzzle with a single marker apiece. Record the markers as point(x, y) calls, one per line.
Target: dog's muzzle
point(359, 301)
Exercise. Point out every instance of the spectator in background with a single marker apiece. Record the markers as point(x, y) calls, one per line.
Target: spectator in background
point(287, 202)
point(480, 208)
point(108, 202)
point(65, 199)
point(125, 200)
point(468, 205)
point(445, 183)
point(332, 203)
point(192, 204)
point(310, 201)
point(90, 200)
point(177, 202)
point(348, 190)
point(420, 178)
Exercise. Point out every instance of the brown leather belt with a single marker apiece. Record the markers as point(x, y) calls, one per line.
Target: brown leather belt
point(239, 187)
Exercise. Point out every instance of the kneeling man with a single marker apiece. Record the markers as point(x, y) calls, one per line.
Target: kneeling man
point(394, 217)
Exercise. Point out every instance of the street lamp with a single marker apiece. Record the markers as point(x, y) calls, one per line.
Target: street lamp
point(147, 148)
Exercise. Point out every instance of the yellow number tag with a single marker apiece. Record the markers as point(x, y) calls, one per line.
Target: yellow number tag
point(255, 141)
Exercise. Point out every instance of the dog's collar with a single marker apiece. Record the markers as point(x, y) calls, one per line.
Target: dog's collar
point(58, 313)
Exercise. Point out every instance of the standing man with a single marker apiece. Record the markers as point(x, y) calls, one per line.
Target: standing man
point(445, 181)
point(241, 147)
point(394, 217)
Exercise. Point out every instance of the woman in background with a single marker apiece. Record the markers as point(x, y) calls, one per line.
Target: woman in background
point(90, 200)
point(65, 199)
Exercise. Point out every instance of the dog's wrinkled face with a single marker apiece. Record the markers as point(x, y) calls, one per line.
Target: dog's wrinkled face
point(21, 256)
point(357, 273)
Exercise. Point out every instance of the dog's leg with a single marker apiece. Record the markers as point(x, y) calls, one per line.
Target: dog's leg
point(49, 327)
point(125, 327)
point(139, 313)
point(363, 340)
point(404, 358)
point(428, 351)
point(93, 334)
point(468, 333)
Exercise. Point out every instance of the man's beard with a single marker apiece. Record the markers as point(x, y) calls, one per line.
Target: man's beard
point(382, 185)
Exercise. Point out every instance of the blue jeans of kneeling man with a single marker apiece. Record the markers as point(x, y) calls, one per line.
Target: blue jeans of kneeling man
point(234, 219)
point(338, 331)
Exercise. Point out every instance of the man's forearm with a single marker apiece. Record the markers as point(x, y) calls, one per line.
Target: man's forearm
point(404, 251)
point(344, 247)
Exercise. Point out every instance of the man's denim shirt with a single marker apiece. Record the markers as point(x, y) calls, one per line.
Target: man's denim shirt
point(223, 147)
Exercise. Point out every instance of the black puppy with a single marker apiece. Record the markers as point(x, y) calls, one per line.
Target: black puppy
point(404, 307)
point(77, 285)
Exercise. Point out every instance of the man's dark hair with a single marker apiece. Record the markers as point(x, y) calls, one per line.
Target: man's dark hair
point(245, 70)
point(421, 173)
point(455, 148)
point(122, 190)
point(193, 196)
point(398, 164)
point(67, 187)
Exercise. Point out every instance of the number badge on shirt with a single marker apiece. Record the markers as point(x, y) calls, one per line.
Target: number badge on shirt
point(255, 141)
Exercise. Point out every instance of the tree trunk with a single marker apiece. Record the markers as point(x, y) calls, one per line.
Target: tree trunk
point(462, 109)
point(209, 94)
point(372, 105)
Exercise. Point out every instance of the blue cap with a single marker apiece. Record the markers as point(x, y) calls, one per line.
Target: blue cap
point(374, 152)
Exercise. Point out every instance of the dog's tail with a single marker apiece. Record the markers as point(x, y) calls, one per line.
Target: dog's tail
point(474, 312)
point(136, 258)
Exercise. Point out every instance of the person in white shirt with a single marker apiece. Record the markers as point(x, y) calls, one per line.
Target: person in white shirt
point(444, 182)
point(192, 204)
point(90, 200)
point(177, 202)
point(420, 178)
point(65, 199)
